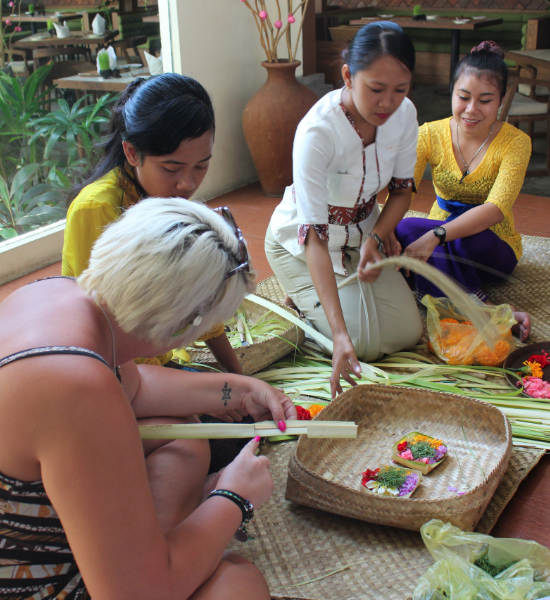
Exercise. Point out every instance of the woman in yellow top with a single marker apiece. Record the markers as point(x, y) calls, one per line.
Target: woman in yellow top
point(160, 145)
point(478, 166)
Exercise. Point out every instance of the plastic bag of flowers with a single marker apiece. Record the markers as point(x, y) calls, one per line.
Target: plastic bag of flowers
point(456, 341)
point(476, 566)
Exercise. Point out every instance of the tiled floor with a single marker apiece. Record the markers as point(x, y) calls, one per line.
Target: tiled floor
point(528, 515)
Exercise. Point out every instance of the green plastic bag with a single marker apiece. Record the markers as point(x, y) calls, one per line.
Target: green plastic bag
point(475, 566)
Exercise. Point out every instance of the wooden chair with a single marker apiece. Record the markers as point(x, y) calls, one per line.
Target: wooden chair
point(519, 108)
point(42, 56)
point(65, 61)
point(128, 49)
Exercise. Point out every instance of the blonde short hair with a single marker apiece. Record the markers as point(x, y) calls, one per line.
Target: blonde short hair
point(164, 263)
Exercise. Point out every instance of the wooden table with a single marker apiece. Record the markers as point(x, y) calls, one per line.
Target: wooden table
point(540, 59)
point(346, 32)
point(54, 17)
point(77, 38)
point(35, 18)
point(92, 82)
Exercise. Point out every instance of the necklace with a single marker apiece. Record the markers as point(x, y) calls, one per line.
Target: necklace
point(468, 163)
point(113, 344)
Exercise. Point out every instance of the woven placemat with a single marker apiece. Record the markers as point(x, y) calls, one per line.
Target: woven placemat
point(347, 558)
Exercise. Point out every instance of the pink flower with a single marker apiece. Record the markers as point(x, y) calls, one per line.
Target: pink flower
point(291, 19)
point(425, 460)
point(536, 387)
point(8, 22)
point(278, 24)
point(263, 15)
point(407, 455)
point(11, 3)
point(17, 28)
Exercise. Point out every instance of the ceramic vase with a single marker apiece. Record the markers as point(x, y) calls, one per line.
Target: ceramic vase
point(269, 122)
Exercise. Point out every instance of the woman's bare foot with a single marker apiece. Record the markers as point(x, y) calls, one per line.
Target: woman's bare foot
point(523, 327)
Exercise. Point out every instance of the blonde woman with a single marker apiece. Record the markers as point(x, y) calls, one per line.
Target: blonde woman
point(87, 509)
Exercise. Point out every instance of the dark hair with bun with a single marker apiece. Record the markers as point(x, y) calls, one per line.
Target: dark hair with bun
point(487, 57)
point(381, 38)
point(155, 115)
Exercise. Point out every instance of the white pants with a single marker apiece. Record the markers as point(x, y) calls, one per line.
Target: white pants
point(381, 317)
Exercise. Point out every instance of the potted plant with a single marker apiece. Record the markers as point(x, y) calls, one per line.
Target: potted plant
point(271, 116)
point(417, 13)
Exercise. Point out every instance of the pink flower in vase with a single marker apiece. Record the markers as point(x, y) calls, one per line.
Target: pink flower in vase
point(291, 19)
point(263, 15)
point(278, 24)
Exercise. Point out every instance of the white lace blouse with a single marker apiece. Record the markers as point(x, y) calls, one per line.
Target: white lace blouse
point(336, 176)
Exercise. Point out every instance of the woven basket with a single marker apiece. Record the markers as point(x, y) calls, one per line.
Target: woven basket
point(326, 473)
point(257, 356)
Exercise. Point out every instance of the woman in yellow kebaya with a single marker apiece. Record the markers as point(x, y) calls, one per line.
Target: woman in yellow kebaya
point(478, 166)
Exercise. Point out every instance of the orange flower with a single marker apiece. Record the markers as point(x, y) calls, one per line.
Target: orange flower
point(534, 367)
point(458, 346)
point(315, 409)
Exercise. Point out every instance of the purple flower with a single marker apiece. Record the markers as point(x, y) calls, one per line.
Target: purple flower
point(409, 484)
point(440, 452)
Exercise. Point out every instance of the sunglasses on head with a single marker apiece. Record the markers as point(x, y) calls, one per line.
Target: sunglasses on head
point(242, 252)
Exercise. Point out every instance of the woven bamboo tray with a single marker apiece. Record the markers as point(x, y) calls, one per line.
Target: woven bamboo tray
point(326, 474)
point(257, 356)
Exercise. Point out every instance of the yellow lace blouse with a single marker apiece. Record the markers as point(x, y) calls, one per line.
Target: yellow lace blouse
point(497, 179)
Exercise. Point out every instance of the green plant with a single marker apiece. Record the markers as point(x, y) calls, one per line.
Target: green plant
point(26, 203)
point(20, 101)
point(417, 9)
point(69, 133)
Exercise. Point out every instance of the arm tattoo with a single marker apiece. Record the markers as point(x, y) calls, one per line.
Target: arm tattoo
point(226, 393)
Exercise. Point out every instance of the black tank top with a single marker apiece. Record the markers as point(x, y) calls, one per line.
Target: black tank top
point(41, 350)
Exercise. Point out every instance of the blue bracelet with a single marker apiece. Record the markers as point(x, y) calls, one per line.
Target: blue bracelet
point(247, 510)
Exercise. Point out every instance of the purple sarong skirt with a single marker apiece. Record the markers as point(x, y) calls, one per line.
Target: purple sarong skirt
point(472, 261)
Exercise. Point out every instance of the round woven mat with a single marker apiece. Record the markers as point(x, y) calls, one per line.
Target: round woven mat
point(353, 560)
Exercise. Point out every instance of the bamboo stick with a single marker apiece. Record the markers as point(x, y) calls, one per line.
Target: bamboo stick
point(313, 429)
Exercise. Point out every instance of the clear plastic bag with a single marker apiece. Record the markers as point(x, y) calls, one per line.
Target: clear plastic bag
point(457, 342)
point(475, 566)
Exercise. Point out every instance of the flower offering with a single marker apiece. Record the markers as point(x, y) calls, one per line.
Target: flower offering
point(419, 451)
point(391, 481)
point(534, 384)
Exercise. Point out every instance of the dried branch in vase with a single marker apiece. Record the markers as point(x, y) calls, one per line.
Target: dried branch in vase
point(272, 31)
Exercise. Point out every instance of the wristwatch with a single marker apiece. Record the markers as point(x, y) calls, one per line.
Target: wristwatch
point(440, 233)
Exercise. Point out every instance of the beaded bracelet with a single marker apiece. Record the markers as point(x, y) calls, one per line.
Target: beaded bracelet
point(378, 241)
point(247, 510)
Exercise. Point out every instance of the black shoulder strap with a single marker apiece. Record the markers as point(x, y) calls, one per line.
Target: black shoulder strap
point(42, 350)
